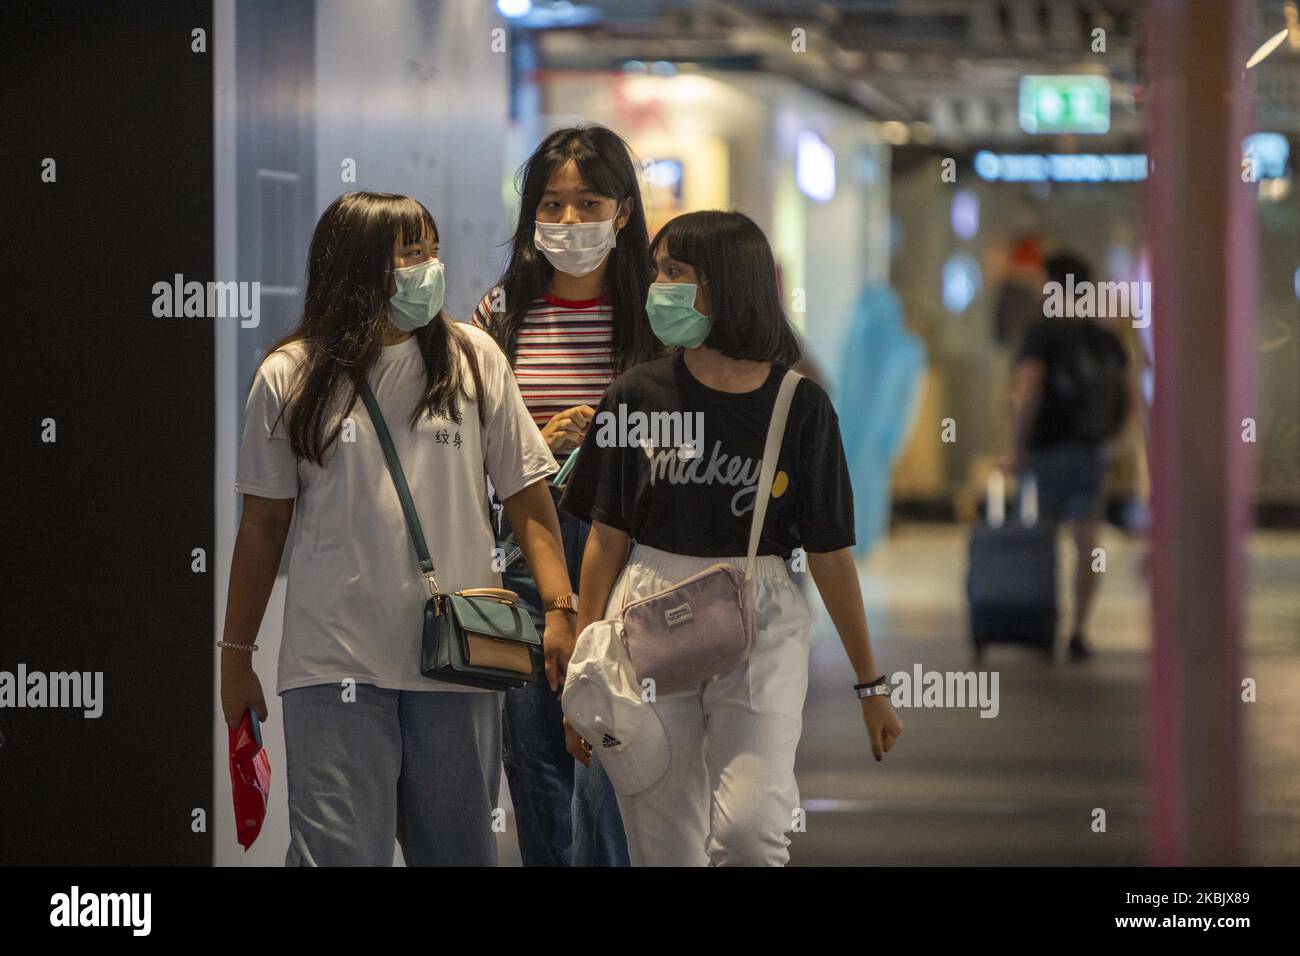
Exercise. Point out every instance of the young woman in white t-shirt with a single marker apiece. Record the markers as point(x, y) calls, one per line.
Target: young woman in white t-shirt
point(374, 750)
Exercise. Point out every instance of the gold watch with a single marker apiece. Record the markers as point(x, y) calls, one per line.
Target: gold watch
point(565, 602)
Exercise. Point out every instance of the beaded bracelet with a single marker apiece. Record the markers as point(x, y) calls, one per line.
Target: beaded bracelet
point(237, 647)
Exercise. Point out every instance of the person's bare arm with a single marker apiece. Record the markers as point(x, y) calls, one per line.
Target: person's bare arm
point(836, 577)
point(259, 545)
point(1026, 397)
point(603, 559)
point(537, 529)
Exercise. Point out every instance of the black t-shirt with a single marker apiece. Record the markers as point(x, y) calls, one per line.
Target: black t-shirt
point(1016, 310)
point(1084, 395)
point(702, 505)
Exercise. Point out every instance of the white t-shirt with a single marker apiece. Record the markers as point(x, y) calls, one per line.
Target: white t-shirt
point(355, 598)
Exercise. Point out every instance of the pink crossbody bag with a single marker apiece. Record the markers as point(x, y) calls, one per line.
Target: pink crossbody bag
point(704, 625)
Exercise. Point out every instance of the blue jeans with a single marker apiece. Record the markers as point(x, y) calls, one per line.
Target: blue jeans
point(419, 767)
point(567, 814)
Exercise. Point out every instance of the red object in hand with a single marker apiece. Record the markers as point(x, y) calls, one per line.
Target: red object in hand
point(250, 778)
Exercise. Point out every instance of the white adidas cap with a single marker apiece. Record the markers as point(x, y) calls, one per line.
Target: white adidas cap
point(603, 703)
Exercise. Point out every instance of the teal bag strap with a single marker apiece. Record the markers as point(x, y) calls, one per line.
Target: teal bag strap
point(562, 476)
point(399, 482)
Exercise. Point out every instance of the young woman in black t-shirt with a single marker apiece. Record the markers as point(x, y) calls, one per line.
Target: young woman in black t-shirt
point(729, 794)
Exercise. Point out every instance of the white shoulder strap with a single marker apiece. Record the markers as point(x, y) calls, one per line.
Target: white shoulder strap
point(767, 473)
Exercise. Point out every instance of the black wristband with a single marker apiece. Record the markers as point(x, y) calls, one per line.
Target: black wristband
point(882, 679)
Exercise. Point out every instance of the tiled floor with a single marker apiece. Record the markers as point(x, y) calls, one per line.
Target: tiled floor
point(1022, 788)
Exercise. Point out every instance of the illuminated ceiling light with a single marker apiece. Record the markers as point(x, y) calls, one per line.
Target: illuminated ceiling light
point(1291, 32)
point(965, 214)
point(961, 282)
point(1060, 167)
point(549, 14)
point(987, 165)
point(689, 88)
point(1271, 44)
point(894, 133)
point(1274, 190)
point(514, 9)
point(814, 169)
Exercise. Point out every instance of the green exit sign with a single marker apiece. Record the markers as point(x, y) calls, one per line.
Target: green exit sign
point(1064, 104)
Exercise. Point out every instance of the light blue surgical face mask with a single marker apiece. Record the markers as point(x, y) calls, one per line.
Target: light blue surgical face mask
point(673, 319)
point(419, 295)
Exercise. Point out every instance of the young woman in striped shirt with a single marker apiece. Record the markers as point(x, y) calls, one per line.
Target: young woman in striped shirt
point(569, 313)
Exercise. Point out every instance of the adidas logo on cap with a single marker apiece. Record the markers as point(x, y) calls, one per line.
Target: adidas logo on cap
point(608, 741)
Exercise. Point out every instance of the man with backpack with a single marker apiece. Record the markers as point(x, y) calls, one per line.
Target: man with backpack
point(1071, 395)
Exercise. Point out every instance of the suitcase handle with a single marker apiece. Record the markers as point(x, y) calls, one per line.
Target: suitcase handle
point(995, 508)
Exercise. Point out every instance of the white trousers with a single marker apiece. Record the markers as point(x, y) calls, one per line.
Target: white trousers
point(729, 795)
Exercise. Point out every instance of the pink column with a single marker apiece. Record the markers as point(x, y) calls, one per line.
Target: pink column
point(1201, 232)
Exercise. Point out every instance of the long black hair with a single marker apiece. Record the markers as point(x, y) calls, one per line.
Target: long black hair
point(730, 253)
point(342, 324)
point(605, 163)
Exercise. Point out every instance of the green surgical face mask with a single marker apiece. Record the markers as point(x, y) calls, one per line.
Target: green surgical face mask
point(671, 309)
point(419, 295)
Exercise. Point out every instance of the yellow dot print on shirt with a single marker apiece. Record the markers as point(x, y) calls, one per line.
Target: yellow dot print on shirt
point(779, 484)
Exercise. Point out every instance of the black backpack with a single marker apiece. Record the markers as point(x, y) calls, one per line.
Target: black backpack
point(1097, 368)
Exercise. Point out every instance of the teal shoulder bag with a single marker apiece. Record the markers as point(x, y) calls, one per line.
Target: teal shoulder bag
point(479, 636)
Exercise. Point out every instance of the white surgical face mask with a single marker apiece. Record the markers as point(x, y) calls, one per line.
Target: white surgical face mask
point(575, 248)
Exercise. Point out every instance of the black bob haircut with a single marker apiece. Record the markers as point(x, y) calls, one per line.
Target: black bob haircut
point(731, 256)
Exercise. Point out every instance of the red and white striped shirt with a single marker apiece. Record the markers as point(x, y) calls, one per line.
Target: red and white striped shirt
point(563, 354)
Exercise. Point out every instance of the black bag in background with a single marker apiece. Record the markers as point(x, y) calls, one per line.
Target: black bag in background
point(1098, 368)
